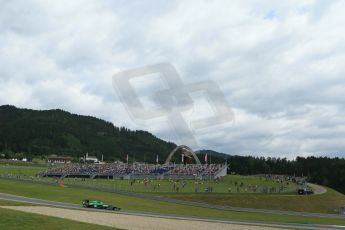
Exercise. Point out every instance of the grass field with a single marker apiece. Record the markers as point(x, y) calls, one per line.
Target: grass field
point(73, 195)
point(20, 170)
point(16, 220)
point(12, 203)
point(40, 163)
point(329, 202)
point(227, 185)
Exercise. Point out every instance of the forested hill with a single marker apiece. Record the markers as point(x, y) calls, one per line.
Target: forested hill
point(58, 132)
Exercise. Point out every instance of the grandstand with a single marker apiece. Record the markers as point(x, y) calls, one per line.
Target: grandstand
point(141, 170)
point(138, 171)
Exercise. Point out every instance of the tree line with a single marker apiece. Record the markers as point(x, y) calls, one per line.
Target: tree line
point(321, 170)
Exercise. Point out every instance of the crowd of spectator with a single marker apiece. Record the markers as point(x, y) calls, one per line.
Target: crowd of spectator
point(137, 169)
point(195, 169)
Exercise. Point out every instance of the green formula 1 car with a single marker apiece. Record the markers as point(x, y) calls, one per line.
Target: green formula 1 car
point(99, 205)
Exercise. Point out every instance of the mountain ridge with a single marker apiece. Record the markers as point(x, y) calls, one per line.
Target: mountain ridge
point(55, 131)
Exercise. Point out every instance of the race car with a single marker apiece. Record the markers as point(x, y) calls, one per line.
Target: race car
point(99, 205)
point(305, 191)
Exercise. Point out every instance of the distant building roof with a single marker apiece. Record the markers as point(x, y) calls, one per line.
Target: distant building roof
point(91, 157)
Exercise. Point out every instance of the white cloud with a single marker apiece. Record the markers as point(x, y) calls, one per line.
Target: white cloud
point(279, 64)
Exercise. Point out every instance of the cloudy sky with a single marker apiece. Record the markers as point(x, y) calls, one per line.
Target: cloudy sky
point(279, 64)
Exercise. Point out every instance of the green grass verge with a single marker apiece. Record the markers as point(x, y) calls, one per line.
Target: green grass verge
point(13, 203)
point(73, 195)
point(329, 202)
point(15, 220)
point(20, 170)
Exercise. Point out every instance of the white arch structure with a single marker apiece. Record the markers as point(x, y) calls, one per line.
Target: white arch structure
point(182, 147)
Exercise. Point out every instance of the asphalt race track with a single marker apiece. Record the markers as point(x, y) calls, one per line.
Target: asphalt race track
point(9, 197)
